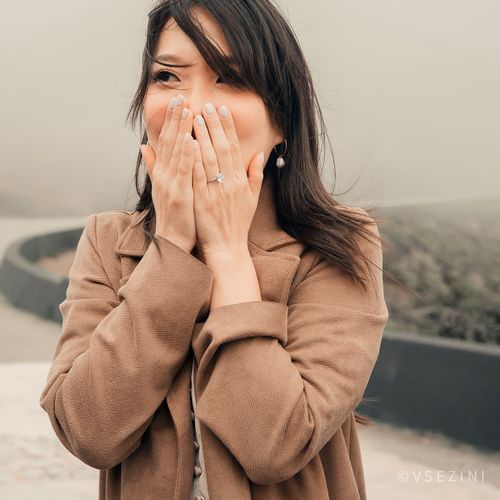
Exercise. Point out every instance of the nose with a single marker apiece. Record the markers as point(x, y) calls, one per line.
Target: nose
point(195, 102)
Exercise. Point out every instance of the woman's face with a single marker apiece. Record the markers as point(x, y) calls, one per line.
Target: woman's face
point(199, 85)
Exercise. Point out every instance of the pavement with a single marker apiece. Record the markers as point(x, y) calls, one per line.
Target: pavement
point(399, 463)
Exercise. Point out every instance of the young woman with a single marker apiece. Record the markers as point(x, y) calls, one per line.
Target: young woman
point(217, 339)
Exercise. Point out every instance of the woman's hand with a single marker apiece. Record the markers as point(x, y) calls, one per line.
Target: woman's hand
point(170, 171)
point(223, 212)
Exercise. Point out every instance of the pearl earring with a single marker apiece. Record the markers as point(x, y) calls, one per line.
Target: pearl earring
point(280, 162)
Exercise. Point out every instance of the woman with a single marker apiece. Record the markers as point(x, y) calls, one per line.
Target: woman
point(217, 340)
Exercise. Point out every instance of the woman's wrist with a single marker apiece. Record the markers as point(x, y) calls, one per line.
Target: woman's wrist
point(227, 261)
point(178, 242)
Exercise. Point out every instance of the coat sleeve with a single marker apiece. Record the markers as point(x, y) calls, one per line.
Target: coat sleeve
point(118, 352)
point(277, 381)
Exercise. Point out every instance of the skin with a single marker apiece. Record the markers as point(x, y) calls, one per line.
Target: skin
point(199, 85)
point(222, 213)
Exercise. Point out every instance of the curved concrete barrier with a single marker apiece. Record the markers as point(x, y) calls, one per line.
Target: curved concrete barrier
point(29, 286)
point(437, 384)
point(444, 385)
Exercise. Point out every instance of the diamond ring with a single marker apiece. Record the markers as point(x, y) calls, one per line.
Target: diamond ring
point(219, 178)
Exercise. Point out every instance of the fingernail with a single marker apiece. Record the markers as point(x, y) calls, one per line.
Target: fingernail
point(196, 145)
point(199, 120)
point(223, 111)
point(261, 157)
point(180, 100)
point(209, 108)
point(172, 102)
point(185, 112)
point(187, 135)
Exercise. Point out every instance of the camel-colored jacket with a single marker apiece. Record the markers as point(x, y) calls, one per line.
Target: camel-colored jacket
point(276, 381)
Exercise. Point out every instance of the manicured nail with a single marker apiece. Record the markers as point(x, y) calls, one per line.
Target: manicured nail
point(187, 135)
point(185, 112)
point(223, 111)
point(199, 120)
point(180, 100)
point(209, 108)
point(196, 145)
point(261, 157)
point(172, 102)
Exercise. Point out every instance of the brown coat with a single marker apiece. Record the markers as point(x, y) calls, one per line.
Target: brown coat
point(276, 380)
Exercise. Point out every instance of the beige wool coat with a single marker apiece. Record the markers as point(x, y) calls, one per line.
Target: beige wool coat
point(276, 381)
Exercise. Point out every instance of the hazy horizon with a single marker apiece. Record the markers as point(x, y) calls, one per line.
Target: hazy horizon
point(408, 92)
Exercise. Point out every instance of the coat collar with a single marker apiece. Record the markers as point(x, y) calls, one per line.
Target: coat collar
point(264, 231)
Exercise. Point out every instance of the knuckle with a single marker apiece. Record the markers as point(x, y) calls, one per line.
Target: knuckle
point(234, 147)
point(176, 202)
point(158, 179)
point(239, 181)
point(165, 138)
point(224, 147)
point(211, 159)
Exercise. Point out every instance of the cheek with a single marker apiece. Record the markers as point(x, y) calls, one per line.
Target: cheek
point(252, 127)
point(154, 116)
point(250, 120)
point(155, 110)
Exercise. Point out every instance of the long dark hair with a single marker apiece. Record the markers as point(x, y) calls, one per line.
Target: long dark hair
point(271, 64)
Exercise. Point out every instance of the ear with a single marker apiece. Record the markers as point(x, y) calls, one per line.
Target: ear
point(278, 138)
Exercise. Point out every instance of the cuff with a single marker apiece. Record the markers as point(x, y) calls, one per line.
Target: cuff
point(242, 320)
point(168, 280)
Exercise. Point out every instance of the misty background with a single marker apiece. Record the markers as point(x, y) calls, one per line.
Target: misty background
point(409, 91)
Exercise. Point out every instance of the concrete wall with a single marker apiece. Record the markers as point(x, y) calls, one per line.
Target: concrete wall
point(437, 384)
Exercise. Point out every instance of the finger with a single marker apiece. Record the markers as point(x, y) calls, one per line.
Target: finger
point(185, 170)
point(207, 150)
point(185, 126)
point(170, 136)
point(227, 121)
point(218, 138)
point(166, 123)
point(256, 174)
point(200, 187)
point(149, 158)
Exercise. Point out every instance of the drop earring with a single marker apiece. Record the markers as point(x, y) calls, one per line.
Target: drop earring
point(280, 162)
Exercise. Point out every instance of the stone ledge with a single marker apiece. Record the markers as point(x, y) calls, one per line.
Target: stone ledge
point(28, 285)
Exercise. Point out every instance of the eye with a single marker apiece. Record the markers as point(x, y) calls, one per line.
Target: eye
point(162, 75)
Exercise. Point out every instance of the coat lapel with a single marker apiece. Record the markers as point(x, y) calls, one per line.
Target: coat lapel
point(275, 271)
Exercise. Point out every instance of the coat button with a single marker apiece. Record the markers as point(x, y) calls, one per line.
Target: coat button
point(199, 497)
point(196, 445)
point(197, 470)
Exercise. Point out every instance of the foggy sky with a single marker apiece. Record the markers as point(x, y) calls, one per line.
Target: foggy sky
point(409, 91)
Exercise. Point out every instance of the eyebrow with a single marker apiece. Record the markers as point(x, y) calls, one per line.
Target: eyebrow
point(172, 57)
